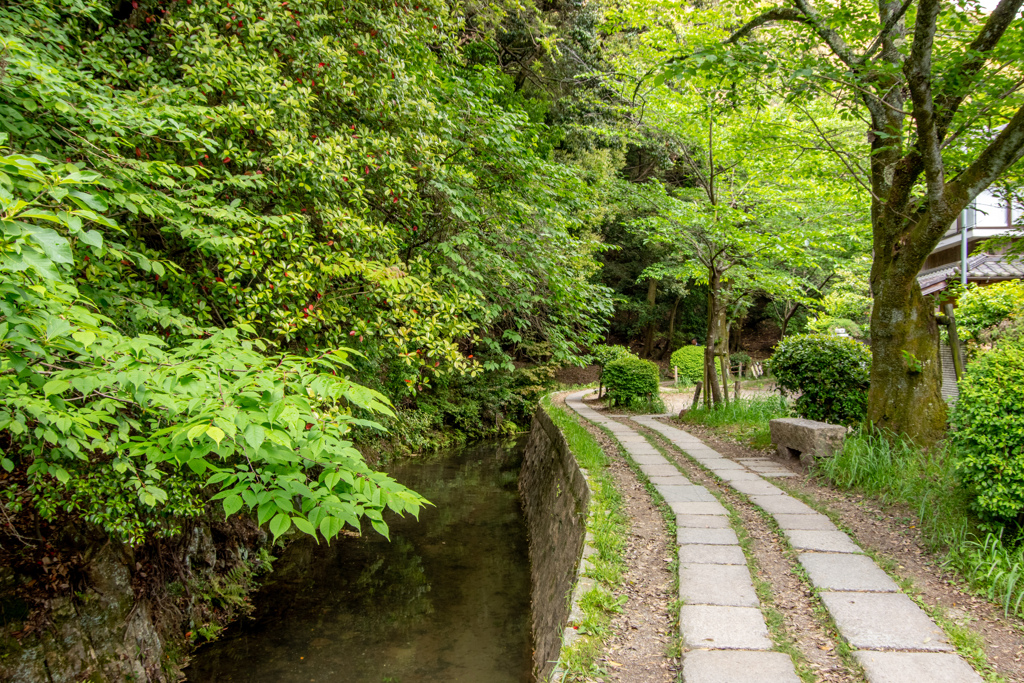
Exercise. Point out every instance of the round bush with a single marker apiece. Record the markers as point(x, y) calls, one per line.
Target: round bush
point(630, 379)
point(603, 355)
point(830, 374)
point(690, 361)
point(988, 436)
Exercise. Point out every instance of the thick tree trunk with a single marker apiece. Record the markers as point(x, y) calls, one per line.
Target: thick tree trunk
point(671, 329)
point(905, 393)
point(652, 297)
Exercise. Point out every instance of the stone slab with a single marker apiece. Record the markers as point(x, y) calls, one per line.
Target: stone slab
point(723, 628)
point(822, 541)
point(676, 479)
point(846, 572)
point(686, 508)
point(696, 553)
point(726, 464)
point(658, 459)
point(663, 469)
point(910, 667)
point(782, 504)
point(757, 487)
point(736, 475)
point(883, 621)
point(738, 666)
point(686, 494)
point(706, 536)
point(716, 584)
point(817, 522)
point(779, 474)
point(702, 521)
point(806, 439)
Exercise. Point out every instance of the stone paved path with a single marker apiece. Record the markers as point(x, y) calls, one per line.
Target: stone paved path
point(720, 620)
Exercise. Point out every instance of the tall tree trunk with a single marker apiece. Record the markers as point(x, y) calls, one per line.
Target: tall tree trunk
point(652, 297)
point(906, 373)
point(671, 329)
point(713, 393)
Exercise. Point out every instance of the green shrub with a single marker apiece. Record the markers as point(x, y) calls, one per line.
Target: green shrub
point(690, 361)
point(741, 357)
point(988, 423)
point(981, 308)
point(829, 325)
point(829, 373)
point(630, 379)
point(603, 355)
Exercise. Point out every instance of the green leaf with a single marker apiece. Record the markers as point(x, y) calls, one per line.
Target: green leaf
point(215, 433)
point(232, 504)
point(7, 464)
point(303, 525)
point(280, 524)
point(56, 386)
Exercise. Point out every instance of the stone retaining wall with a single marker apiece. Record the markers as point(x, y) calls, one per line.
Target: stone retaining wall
point(555, 497)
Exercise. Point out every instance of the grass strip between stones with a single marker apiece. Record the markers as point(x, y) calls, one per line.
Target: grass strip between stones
point(781, 639)
point(609, 529)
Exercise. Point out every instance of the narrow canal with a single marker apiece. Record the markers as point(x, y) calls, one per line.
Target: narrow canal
point(447, 599)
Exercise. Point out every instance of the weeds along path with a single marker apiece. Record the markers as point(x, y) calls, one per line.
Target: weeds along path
point(770, 589)
point(643, 646)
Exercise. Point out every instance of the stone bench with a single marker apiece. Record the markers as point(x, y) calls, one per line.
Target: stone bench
point(806, 439)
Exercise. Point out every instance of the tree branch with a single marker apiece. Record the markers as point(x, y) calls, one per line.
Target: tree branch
point(772, 15)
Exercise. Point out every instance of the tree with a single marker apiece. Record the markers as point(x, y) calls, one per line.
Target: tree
point(939, 86)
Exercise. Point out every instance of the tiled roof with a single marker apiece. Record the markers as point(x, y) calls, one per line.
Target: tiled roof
point(979, 267)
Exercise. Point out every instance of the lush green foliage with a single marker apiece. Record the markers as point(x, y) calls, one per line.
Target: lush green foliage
point(690, 361)
point(130, 433)
point(988, 431)
point(629, 379)
point(603, 355)
point(203, 203)
point(980, 309)
point(830, 374)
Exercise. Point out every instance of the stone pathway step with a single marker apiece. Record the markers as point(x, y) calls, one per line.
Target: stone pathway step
point(720, 619)
point(895, 640)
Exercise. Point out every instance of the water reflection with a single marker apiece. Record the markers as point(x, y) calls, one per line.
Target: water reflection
point(448, 599)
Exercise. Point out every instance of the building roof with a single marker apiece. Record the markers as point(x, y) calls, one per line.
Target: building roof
point(980, 267)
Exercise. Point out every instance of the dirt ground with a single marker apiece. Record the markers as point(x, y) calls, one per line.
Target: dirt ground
point(889, 531)
point(644, 631)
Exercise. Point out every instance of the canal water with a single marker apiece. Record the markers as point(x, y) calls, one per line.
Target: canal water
point(447, 599)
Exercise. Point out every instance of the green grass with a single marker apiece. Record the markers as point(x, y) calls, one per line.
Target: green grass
point(746, 419)
point(609, 529)
point(894, 470)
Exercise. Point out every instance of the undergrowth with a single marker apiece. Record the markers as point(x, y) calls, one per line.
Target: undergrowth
point(608, 527)
point(893, 470)
point(746, 419)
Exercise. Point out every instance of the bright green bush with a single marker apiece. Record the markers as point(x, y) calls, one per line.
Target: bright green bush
point(603, 355)
point(690, 361)
point(829, 373)
point(630, 379)
point(980, 308)
point(988, 424)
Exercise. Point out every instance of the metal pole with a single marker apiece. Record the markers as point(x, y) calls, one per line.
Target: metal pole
point(963, 248)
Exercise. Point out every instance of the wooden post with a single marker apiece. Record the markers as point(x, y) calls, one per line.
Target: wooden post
point(954, 342)
point(675, 375)
point(736, 391)
point(696, 395)
point(725, 376)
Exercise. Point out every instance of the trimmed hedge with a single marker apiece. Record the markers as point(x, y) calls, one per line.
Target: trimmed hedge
point(831, 375)
point(630, 379)
point(690, 361)
point(988, 432)
point(603, 355)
